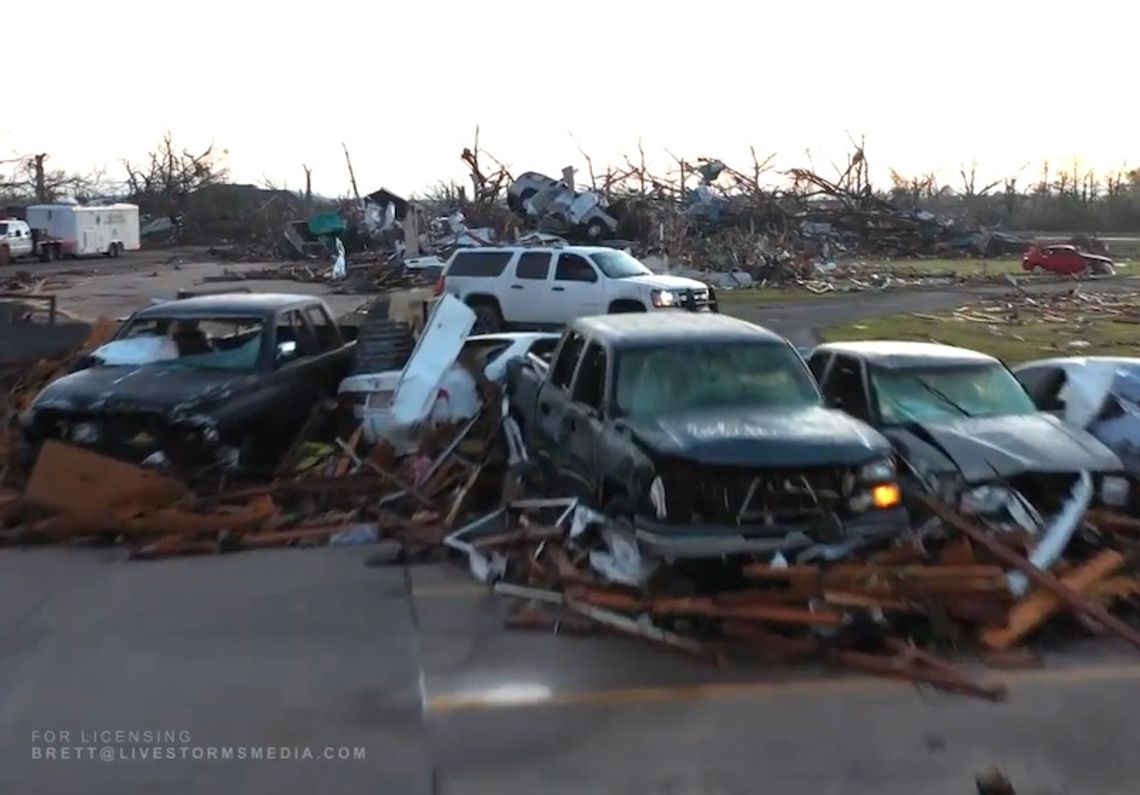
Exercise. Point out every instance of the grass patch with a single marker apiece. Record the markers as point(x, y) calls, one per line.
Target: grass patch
point(934, 266)
point(1014, 341)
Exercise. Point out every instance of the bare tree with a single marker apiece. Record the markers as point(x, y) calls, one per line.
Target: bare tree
point(29, 178)
point(171, 171)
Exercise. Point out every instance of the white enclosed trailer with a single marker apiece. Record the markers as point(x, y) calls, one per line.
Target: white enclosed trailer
point(80, 230)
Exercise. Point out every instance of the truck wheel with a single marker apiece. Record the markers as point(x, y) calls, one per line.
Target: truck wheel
point(114, 251)
point(488, 318)
point(622, 307)
point(47, 253)
point(596, 229)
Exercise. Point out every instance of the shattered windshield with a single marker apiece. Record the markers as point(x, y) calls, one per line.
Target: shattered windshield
point(206, 343)
point(618, 265)
point(678, 378)
point(940, 393)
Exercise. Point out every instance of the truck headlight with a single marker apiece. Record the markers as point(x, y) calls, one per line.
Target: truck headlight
point(1114, 490)
point(878, 471)
point(663, 298)
point(85, 432)
point(657, 497)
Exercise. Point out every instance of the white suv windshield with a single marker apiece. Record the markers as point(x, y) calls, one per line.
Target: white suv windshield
point(618, 265)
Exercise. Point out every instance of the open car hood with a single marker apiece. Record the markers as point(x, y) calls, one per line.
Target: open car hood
point(984, 448)
point(778, 438)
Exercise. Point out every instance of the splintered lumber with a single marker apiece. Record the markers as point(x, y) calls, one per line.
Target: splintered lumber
point(1073, 600)
point(776, 614)
point(1036, 608)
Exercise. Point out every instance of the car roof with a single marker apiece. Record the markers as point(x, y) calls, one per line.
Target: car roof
point(902, 355)
point(635, 328)
point(540, 249)
point(227, 305)
point(1081, 361)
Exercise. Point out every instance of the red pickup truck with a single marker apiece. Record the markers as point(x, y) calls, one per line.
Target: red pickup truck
point(1067, 260)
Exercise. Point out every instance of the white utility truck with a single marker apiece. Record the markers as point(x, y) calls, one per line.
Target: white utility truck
point(78, 230)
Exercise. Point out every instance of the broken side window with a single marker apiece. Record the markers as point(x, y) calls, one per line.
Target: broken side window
point(323, 328)
point(563, 369)
point(818, 366)
point(590, 385)
point(293, 339)
point(574, 268)
point(845, 388)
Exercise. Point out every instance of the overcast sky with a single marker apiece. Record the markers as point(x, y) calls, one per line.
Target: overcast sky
point(931, 85)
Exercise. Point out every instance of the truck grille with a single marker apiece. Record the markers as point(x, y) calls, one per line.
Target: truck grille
point(697, 300)
point(755, 497)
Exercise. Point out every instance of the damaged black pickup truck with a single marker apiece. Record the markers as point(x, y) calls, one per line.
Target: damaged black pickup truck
point(217, 380)
point(707, 433)
point(965, 429)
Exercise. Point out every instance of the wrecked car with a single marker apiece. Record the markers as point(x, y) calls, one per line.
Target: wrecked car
point(369, 397)
point(1067, 261)
point(707, 434)
point(1100, 394)
point(563, 208)
point(965, 430)
point(212, 380)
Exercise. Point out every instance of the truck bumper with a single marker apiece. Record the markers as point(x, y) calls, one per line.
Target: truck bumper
point(685, 541)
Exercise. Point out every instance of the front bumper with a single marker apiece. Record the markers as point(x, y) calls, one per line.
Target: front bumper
point(687, 541)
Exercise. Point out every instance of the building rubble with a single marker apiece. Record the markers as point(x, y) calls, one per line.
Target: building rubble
point(780, 229)
point(900, 607)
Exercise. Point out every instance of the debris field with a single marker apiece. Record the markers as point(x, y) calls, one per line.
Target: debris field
point(460, 486)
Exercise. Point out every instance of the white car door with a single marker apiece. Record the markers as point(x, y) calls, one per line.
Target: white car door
point(527, 297)
point(578, 289)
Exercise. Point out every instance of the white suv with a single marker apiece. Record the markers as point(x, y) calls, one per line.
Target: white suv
point(511, 286)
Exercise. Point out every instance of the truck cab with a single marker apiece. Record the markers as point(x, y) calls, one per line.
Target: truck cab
point(15, 240)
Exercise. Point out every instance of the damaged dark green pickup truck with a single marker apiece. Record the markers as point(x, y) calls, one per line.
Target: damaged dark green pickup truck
point(706, 432)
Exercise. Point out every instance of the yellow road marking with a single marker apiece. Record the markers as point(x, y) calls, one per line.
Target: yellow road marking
point(492, 699)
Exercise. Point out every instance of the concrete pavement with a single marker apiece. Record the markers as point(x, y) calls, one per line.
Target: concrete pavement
point(309, 649)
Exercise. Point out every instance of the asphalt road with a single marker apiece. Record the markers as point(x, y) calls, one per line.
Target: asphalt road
point(408, 672)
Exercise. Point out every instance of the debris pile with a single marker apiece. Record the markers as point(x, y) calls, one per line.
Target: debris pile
point(891, 611)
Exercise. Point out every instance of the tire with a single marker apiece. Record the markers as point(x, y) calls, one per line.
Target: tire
point(4, 255)
point(596, 230)
point(624, 307)
point(488, 318)
point(47, 253)
point(116, 250)
point(1101, 269)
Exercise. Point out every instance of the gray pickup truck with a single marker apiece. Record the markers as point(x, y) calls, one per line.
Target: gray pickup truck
point(707, 433)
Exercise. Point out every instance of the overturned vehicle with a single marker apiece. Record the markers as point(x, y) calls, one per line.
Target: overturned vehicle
point(966, 431)
point(219, 380)
point(707, 435)
point(1100, 394)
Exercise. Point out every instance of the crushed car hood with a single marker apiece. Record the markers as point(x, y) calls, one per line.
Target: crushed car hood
point(662, 282)
point(806, 437)
point(982, 448)
point(146, 388)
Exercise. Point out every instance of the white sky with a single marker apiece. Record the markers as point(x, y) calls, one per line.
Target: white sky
point(404, 84)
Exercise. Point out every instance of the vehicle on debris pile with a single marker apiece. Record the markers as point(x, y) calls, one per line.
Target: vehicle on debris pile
point(707, 434)
point(216, 380)
point(1067, 261)
point(1100, 394)
point(367, 398)
point(965, 430)
point(561, 208)
point(519, 286)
